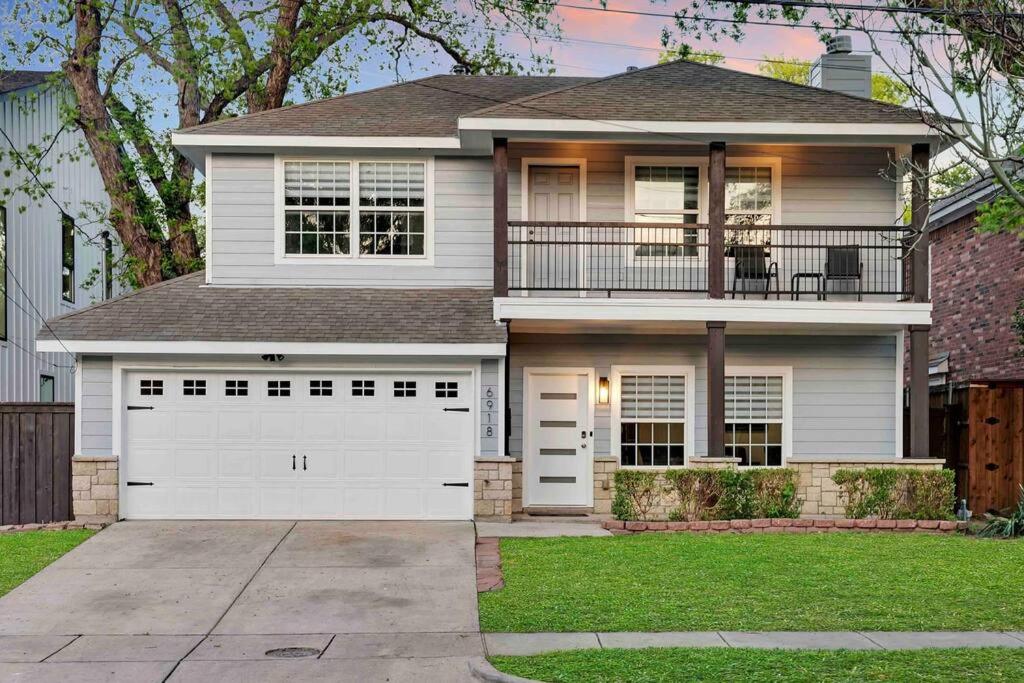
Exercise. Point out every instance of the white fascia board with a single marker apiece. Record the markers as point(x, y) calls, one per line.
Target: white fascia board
point(313, 141)
point(875, 314)
point(260, 348)
point(745, 128)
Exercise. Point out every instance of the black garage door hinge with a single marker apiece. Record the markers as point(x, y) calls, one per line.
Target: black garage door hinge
point(140, 407)
point(455, 483)
point(456, 410)
point(138, 483)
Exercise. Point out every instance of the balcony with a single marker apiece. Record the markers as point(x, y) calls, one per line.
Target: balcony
point(791, 262)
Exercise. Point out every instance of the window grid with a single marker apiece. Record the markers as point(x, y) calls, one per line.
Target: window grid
point(754, 419)
point(193, 387)
point(321, 387)
point(748, 195)
point(151, 387)
point(279, 388)
point(666, 194)
point(446, 389)
point(317, 198)
point(363, 387)
point(652, 430)
point(392, 208)
point(405, 389)
point(236, 387)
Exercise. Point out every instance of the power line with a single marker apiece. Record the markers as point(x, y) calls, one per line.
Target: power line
point(884, 9)
point(10, 271)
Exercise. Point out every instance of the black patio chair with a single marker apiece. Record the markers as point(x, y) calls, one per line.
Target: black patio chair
point(752, 263)
point(842, 264)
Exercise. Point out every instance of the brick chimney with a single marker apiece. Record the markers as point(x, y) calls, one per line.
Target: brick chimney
point(840, 70)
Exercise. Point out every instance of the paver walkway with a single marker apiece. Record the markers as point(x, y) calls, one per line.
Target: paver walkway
point(149, 602)
point(538, 643)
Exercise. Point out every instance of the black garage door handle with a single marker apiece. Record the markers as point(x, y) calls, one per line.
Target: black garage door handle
point(455, 483)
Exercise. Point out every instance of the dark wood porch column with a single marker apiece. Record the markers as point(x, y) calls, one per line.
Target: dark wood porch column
point(500, 217)
point(716, 389)
point(919, 445)
point(716, 220)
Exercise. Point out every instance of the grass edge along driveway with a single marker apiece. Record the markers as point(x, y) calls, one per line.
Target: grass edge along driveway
point(24, 553)
point(740, 582)
point(726, 664)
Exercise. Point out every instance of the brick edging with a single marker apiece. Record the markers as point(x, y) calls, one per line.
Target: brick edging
point(790, 526)
point(488, 565)
point(52, 526)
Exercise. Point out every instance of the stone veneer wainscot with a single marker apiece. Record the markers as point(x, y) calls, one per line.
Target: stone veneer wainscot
point(94, 490)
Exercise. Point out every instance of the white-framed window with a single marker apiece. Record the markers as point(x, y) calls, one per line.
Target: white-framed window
point(665, 190)
point(758, 414)
point(193, 387)
point(279, 388)
point(321, 387)
point(652, 415)
point(405, 389)
point(363, 387)
point(236, 387)
point(446, 389)
point(151, 387)
point(355, 209)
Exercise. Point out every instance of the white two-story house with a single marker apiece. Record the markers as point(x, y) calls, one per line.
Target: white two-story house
point(480, 294)
point(54, 258)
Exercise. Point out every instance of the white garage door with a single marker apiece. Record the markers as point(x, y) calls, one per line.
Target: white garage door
point(298, 445)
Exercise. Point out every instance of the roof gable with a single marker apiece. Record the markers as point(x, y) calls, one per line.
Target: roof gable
point(18, 79)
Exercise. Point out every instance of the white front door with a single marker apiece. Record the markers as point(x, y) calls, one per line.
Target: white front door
point(298, 445)
point(558, 457)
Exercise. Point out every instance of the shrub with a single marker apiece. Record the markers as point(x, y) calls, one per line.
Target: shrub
point(698, 489)
point(773, 493)
point(707, 494)
point(1007, 527)
point(636, 492)
point(897, 492)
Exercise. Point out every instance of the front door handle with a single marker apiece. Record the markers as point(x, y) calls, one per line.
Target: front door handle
point(303, 463)
point(293, 462)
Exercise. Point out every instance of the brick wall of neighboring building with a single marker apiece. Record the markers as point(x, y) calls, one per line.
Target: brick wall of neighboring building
point(977, 280)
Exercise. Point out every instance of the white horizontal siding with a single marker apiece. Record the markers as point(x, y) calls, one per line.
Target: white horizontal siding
point(31, 117)
point(243, 231)
point(844, 387)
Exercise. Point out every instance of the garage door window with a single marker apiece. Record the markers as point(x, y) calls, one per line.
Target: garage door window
point(236, 387)
point(279, 388)
point(151, 387)
point(321, 387)
point(362, 387)
point(194, 387)
point(405, 389)
point(446, 389)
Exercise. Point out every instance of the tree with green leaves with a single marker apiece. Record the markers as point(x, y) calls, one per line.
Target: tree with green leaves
point(883, 88)
point(140, 68)
point(962, 58)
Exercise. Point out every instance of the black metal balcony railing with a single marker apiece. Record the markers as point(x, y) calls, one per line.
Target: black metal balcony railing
point(770, 261)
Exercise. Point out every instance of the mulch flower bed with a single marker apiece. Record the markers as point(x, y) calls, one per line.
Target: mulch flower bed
point(789, 526)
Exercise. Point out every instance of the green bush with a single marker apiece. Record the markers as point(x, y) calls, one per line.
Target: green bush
point(1007, 527)
point(897, 493)
point(707, 494)
point(636, 492)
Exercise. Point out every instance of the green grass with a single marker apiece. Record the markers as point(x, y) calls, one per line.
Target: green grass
point(679, 664)
point(778, 582)
point(25, 553)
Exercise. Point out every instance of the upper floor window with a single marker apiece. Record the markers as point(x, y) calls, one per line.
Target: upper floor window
point(67, 250)
point(317, 200)
point(666, 194)
point(355, 208)
point(748, 195)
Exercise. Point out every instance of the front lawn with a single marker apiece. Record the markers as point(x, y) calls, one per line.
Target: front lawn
point(720, 664)
point(778, 582)
point(25, 553)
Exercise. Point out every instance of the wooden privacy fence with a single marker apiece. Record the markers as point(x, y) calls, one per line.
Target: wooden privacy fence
point(36, 444)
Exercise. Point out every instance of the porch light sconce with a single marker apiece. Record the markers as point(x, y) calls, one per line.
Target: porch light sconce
point(602, 391)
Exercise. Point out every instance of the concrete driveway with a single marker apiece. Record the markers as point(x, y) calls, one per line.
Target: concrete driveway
point(206, 601)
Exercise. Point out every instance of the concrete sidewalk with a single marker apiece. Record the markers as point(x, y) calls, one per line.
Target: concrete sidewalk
point(538, 643)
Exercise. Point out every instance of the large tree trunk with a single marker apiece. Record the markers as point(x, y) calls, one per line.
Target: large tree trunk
point(96, 125)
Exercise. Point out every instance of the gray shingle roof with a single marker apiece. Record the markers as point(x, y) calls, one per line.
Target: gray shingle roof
point(426, 107)
point(18, 79)
point(185, 309)
point(688, 91)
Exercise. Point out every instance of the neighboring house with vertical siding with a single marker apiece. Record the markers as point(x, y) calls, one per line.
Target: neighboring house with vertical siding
point(479, 295)
point(51, 261)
